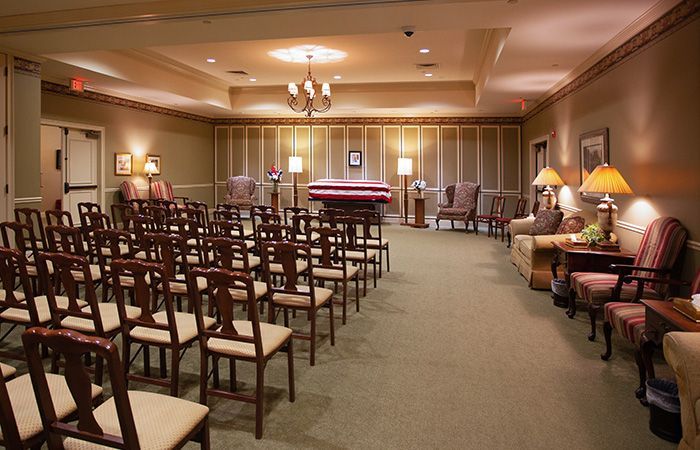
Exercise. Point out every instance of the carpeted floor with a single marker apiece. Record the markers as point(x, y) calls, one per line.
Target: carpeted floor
point(452, 350)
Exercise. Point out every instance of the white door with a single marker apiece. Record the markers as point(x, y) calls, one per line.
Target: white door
point(3, 139)
point(81, 159)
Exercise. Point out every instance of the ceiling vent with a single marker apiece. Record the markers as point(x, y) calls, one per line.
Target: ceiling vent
point(237, 72)
point(427, 67)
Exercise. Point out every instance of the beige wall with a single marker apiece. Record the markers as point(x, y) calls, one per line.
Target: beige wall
point(27, 114)
point(185, 146)
point(649, 103)
point(442, 154)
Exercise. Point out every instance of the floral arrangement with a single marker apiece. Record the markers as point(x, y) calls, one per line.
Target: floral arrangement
point(275, 175)
point(419, 185)
point(593, 234)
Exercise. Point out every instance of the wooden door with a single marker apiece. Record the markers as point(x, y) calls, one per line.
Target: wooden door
point(80, 169)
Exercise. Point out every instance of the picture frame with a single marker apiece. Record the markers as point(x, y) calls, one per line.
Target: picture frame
point(155, 159)
point(354, 158)
point(594, 151)
point(123, 164)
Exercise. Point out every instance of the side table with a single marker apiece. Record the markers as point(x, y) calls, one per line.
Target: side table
point(583, 260)
point(660, 318)
point(275, 200)
point(419, 220)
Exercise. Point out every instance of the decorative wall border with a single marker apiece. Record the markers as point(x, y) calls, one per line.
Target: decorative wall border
point(27, 67)
point(298, 121)
point(679, 16)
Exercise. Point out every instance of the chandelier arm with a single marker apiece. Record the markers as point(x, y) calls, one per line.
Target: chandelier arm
point(293, 103)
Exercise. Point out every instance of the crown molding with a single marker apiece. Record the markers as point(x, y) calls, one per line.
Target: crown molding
point(371, 121)
point(677, 17)
point(27, 67)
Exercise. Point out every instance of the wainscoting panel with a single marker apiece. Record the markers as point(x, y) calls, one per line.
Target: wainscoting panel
point(442, 154)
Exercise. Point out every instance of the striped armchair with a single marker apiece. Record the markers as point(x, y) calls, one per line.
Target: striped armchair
point(129, 191)
point(241, 191)
point(661, 244)
point(163, 190)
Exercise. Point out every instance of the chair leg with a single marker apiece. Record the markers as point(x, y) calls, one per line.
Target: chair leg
point(476, 227)
point(174, 371)
point(509, 238)
point(332, 325)
point(387, 257)
point(345, 300)
point(453, 224)
point(126, 357)
point(374, 272)
point(99, 370)
point(146, 361)
point(290, 369)
point(204, 442)
point(437, 227)
point(641, 391)
point(607, 332)
point(364, 280)
point(592, 313)
point(259, 397)
point(203, 373)
point(312, 342)
point(162, 357)
point(571, 312)
point(232, 379)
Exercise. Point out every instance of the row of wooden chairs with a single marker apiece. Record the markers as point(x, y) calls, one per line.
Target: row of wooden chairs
point(495, 219)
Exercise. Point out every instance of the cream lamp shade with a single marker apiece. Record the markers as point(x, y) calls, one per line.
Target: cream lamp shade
point(606, 180)
point(405, 166)
point(295, 164)
point(150, 168)
point(548, 177)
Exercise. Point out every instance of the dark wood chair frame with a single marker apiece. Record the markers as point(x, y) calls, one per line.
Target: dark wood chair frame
point(58, 217)
point(373, 220)
point(501, 223)
point(120, 212)
point(498, 204)
point(189, 229)
point(290, 211)
point(137, 204)
point(109, 244)
point(32, 217)
point(73, 345)
point(196, 204)
point(227, 207)
point(23, 233)
point(355, 240)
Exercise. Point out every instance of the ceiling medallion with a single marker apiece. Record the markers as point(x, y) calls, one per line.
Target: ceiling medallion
point(309, 88)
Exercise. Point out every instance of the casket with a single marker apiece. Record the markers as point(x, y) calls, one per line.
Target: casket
point(350, 190)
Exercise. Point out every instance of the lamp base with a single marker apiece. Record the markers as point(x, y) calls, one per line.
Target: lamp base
point(607, 216)
point(549, 198)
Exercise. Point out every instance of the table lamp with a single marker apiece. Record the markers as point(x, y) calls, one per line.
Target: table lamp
point(295, 167)
point(606, 180)
point(150, 168)
point(548, 177)
point(405, 168)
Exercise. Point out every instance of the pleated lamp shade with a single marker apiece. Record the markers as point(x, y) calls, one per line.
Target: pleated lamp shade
point(606, 179)
point(548, 177)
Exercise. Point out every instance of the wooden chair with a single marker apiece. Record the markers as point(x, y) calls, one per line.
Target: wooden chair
point(328, 216)
point(357, 251)
point(24, 241)
point(159, 214)
point(501, 223)
point(96, 319)
point(232, 229)
point(137, 204)
point(229, 215)
point(246, 340)
point(32, 217)
point(69, 240)
point(20, 418)
point(92, 221)
point(293, 295)
point(263, 208)
point(165, 330)
point(162, 189)
point(190, 230)
point(141, 225)
point(202, 207)
point(498, 204)
point(112, 245)
point(85, 207)
point(301, 222)
point(197, 215)
point(332, 264)
point(535, 208)
point(129, 419)
point(228, 207)
point(290, 211)
point(170, 206)
point(272, 232)
point(373, 222)
point(58, 217)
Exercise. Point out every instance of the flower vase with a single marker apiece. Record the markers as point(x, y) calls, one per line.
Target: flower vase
point(275, 187)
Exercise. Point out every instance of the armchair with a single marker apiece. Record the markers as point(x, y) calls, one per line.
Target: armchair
point(163, 190)
point(682, 352)
point(661, 244)
point(462, 199)
point(129, 191)
point(241, 191)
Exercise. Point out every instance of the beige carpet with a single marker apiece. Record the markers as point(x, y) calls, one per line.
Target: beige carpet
point(452, 350)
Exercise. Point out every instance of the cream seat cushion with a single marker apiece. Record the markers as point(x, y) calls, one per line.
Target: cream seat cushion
point(191, 260)
point(19, 296)
point(128, 281)
point(272, 336)
point(240, 295)
point(7, 371)
point(335, 274)
point(374, 242)
point(161, 421)
point(32, 270)
point(109, 314)
point(123, 250)
point(186, 328)
point(24, 405)
point(141, 255)
point(42, 309)
point(322, 295)
point(180, 288)
point(276, 268)
point(360, 255)
point(317, 252)
point(95, 273)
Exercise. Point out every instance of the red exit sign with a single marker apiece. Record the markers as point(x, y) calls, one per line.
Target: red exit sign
point(77, 85)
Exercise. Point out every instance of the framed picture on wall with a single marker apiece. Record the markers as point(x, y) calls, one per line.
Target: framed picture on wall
point(354, 158)
point(155, 159)
point(122, 163)
point(594, 149)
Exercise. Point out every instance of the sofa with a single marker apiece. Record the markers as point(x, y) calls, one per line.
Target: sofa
point(682, 352)
point(532, 255)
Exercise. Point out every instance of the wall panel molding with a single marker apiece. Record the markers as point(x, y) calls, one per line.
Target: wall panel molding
point(25, 200)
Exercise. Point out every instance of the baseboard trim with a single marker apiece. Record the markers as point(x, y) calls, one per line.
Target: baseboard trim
point(25, 200)
point(569, 208)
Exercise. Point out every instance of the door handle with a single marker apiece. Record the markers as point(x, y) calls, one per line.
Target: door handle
point(67, 187)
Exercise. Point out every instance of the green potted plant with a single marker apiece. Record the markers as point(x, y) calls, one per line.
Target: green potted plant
point(593, 234)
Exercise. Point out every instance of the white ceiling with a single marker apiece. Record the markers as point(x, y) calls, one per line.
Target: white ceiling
point(490, 53)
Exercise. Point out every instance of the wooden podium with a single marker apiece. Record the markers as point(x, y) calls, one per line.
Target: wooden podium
point(275, 200)
point(419, 221)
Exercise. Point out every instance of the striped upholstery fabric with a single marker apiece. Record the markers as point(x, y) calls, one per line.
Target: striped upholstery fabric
point(627, 319)
point(129, 191)
point(661, 244)
point(162, 190)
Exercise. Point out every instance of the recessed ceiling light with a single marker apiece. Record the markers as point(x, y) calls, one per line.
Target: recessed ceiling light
point(337, 77)
point(252, 79)
point(206, 22)
point(424, 50)
point(428, 74)
point(211, 60)
point(299, 54)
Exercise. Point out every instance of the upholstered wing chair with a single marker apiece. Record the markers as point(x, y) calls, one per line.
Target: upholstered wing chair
point(129, 191)
point(656, 257)
point(163, 190)
point(462, 199)
point(241, 191)
point(682, 352)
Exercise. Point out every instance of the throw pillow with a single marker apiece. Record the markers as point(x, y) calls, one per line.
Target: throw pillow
point(546, 222)
point(570, 225)
point(464, 196)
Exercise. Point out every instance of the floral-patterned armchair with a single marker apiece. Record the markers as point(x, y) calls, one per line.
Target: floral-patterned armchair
point(462, 199)
point(241, 191)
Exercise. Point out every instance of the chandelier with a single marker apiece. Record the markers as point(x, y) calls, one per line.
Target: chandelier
point(308, 105)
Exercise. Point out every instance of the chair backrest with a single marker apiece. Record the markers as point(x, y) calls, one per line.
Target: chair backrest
point(240, 188)
point(84, 207)
point(302, 222)
point(129, 190)
point(229, 215)
point(226, 228)
point(353, 229)
point(228, 207)
point(498, 203)
point(22, 238)
point(260, 217)
point(137, 204)
point(535, 207)
point(70, 271)
point(450, 193)
point(162, 189)
point(144, 295)
point(112, 245)
point(263, 208)
point(72, 345)
point(197, 215)
point(65, 239)
point(159, 215)
point(465, 195)
point(13, 265)
point(520, 208)
point(201, 206)
point(32, 217)
point(329, 215)
point(274, 232)
point(290, 211)
point(223, 251)
point(59, 217)
point(373, 220)
point(141, 225)
point(661, 244)
point(286, 254)
point(169, 205)
point(166, 250)
point(220, 282)
point(120, 211)
point(93, 220)
point(331, 241)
